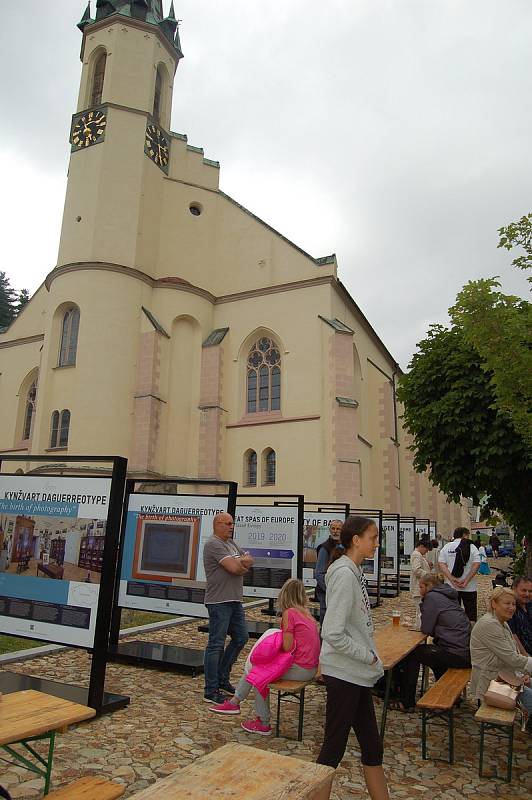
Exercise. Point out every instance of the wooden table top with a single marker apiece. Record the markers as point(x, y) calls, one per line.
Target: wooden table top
point(237, 771)
point(395, 642)
point(30, 713)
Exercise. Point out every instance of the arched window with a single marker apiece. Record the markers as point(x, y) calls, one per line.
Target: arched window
point(97, 80)
point(269, 467)
point(54, 429)
point(69, 338)
point(264, 374)
point(157, 96)
point(250, 468)
point(29, 415)
point(59, 428)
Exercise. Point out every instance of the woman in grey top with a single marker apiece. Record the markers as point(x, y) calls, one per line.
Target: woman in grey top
point(493, 647)
point(349, 663)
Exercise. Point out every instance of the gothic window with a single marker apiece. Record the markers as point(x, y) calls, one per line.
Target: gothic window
point(157, 96)
point(59, 428)
point(29, 415)
point(269, 467)
point(263, 377)
point(250, 468)
point(69, 338)
point(97, 80)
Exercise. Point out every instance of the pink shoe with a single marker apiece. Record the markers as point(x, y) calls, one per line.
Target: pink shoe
point(256, 726)
point(227, 707)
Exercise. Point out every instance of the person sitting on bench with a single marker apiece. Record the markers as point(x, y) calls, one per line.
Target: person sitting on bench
point(493, 648)
point(445, 620)
point(300, 638)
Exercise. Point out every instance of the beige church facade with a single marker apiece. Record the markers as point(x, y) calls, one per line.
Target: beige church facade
point(181, 331)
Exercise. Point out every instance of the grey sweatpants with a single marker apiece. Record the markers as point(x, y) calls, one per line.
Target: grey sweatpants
point(262, 704)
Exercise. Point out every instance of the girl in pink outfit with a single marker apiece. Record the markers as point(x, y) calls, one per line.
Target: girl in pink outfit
point(300, 639)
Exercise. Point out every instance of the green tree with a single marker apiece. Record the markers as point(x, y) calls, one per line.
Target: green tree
point(7, 301)
point(499, 328)
point(22, 298)
point(518, 234)
point(466, 443)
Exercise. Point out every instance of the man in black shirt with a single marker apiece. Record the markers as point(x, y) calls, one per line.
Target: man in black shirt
point(521, 622)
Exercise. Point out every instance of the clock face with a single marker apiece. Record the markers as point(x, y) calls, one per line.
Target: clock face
point(88, 129)
point(156, 146)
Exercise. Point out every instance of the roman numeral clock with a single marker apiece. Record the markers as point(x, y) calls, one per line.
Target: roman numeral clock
point(156, 146)
point(88, 128)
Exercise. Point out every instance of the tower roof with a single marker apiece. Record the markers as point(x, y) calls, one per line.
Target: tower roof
point(150, 11)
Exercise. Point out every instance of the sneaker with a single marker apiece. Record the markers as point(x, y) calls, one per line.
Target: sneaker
point(256, 726)
point(226, 687)
point(215, 697)
point(227, 707)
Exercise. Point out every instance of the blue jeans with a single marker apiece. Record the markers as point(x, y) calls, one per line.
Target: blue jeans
point(225, 619)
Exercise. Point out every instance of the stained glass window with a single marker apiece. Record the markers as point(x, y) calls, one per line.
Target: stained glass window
point(263, 377)
point(69, 338)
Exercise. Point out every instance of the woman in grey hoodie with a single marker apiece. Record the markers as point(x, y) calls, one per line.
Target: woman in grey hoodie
point(349, 663)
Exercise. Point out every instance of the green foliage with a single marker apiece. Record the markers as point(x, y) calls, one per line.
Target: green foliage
point(518, 234)
point(469, 447)
point(22, 299)
point(7, 301)
point(499, 328)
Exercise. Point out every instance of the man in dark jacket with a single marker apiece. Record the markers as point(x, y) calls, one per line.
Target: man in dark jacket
point(324, 552)
point(445, 620)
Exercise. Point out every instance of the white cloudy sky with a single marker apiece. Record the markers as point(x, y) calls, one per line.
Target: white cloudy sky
point(395, 133)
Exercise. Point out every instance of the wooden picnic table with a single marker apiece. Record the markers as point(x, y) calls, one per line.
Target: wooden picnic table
point(238, 772)
point(394, 642)
point(31, 716)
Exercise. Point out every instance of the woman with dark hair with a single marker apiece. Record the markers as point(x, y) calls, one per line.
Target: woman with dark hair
point(349, 663)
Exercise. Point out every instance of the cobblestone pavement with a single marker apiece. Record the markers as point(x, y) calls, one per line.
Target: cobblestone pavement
point(167, 725)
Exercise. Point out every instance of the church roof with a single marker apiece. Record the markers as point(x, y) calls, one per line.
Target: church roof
point(150, 11)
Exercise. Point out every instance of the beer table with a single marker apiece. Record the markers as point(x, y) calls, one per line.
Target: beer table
point(30, 716)
point(394, 642)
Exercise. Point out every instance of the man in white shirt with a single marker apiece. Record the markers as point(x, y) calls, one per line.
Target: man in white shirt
point(459, 561)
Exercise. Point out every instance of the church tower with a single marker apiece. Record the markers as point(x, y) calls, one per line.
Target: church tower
point(119, 136)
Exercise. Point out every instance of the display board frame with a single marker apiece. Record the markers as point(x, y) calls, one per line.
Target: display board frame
point(374, 586)
point(422, 529)
point(95, 695)
point(396, 573)
point(332, 509)
point(153, 653)
point(281, 501)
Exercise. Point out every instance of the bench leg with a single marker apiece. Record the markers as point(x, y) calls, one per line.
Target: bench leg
point(481, 754)
point(278, 713)
point(450, 723)
point(34, 766)
point(301, 715)
point(510, 754)
point(423, 733)
point(386, 702)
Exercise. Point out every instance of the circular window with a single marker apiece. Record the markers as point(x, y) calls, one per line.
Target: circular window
point(195, 209)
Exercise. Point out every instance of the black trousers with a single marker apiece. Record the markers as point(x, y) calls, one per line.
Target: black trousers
point(349, 706)
point(439, 661)
point(469, 602)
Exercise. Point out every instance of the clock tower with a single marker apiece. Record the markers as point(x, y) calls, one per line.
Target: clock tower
point(119, 136)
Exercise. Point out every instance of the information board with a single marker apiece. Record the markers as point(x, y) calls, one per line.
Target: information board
point(270, 535)
point(433, 530)
point(315, 532)
point(370, 566)
point(422, 529)
point(52, 540)
point(390, 539)
point(406, 543)
point(162, 552)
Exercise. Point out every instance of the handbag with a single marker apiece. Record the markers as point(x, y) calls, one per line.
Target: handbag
point(504, 691)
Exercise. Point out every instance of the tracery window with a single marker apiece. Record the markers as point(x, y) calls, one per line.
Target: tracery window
point(97, 80)
point(69, 338)
point(29, 415)
point(264, 377)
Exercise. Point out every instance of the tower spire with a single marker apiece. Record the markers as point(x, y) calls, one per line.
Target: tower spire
point(86, 18)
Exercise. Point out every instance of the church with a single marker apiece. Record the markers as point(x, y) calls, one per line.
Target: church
point(180, 330)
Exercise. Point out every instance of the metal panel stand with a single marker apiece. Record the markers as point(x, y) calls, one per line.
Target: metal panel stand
point(161, 656)
point(15, 682)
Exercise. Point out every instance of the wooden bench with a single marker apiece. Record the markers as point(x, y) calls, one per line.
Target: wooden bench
point(89, 788)
point(290, 692)
point(241, 772)
point(439, 702)
point(498, 720)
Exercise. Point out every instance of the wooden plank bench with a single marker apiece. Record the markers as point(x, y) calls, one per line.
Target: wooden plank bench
point(290, 692)
point(439, 702)
point(498, 720)
point(239, 772)
point(88, 788)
